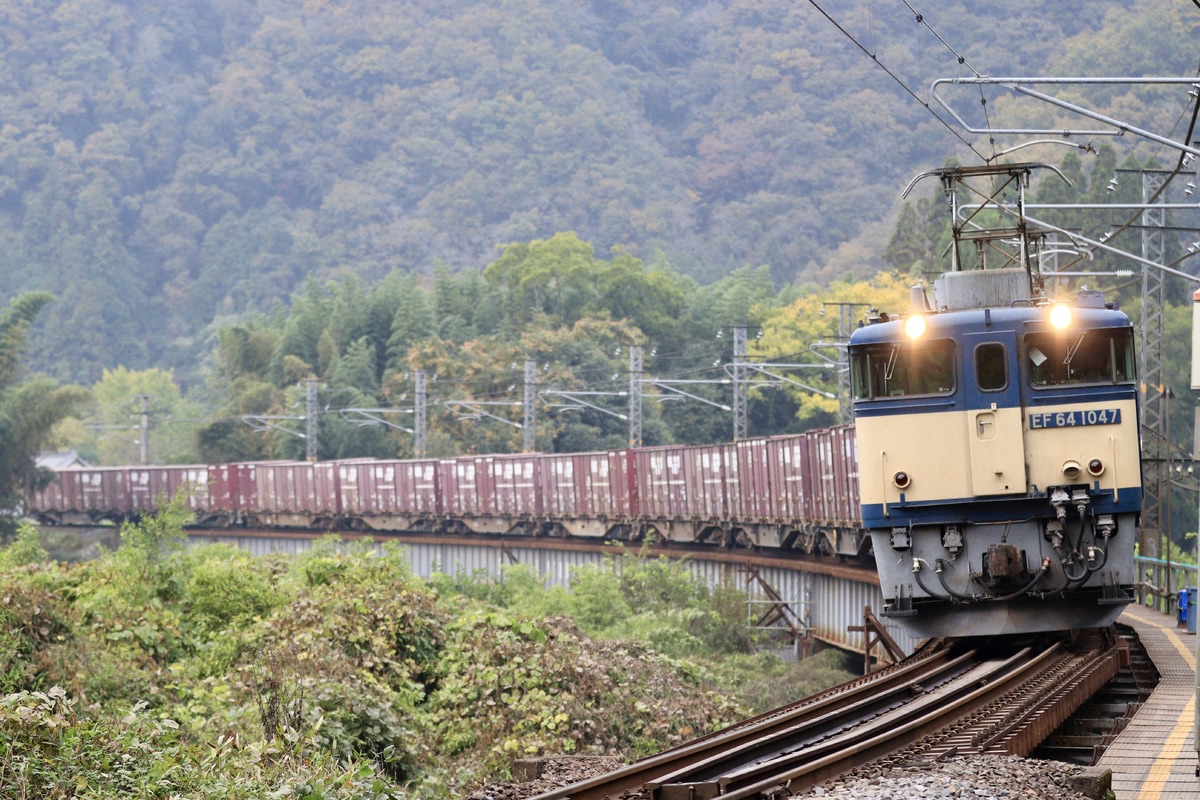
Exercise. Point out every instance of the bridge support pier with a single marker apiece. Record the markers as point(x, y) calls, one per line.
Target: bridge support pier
point(876, 634)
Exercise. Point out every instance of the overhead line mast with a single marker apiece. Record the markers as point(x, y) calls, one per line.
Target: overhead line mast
point(1155, 486)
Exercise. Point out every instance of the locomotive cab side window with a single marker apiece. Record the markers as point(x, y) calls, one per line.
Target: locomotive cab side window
point(1103, 355)
point(901, 370)
point(991, 367)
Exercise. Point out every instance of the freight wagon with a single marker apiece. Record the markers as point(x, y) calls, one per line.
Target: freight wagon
point(794, 492)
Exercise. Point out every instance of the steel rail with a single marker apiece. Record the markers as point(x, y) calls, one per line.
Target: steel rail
point(930, 653)
point(1022, 733)
point(970, 734)
point(1002, 705)
point(893, 682)
point(772, 744)
point(804, 769)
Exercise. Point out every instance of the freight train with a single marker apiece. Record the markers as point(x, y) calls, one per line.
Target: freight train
point(789, 493)
point(993, 469)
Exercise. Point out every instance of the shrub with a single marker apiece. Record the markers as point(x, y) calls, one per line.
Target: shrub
point(659, 582)
point(598, 598)
point(224, 585)
point(25, 549)
point(510, 686)
point(49, 750)
point(32, 620)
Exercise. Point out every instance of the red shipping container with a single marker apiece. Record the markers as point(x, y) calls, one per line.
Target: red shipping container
point(705, 475)
point(852, 461)
point(594, 485)
point(660, 481)
point(846, 457)
point(371, 487)
point(827, 471)
point(222, 489)
point(786, 458)
point(731, 478)
point(255, 485)
point(297, 487)
point(563, 481)
point(459, 485)
point(379, 484)
point(777, 507)
point(325, 489)
point(810, 477)
point(610, 489)
point(356, 489)
point(150, 487)
point(417, 487)
point(52, 497)
point(102, 489)
point(245, 483)
point(623, 483)
point(272, 488)
point(512, 483)
point(754, 478)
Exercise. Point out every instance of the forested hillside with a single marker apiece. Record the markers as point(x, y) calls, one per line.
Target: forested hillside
point(165, 166)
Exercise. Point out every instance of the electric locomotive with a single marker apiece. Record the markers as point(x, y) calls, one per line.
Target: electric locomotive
point(999, 458)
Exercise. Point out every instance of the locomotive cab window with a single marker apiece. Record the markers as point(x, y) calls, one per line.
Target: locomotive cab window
point(991, 367)
point(1096, 355)
point(900, 370)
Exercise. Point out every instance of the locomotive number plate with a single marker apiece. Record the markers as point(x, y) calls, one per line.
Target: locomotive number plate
point(1069, 419)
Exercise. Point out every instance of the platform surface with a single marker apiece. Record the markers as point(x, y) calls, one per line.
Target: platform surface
point(1154, 758)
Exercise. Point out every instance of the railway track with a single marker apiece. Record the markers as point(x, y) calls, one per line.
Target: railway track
point(948, 699)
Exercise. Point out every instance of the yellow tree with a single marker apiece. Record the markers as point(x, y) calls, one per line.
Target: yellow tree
point(805, 331)
point(114, 433)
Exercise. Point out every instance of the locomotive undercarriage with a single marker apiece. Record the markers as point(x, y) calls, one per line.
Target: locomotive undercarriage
point(1063, 566)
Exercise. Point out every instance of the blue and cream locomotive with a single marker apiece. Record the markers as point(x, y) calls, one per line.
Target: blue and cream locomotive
point(999, 458)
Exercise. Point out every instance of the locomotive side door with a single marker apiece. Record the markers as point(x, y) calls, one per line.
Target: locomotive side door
point(994, 425)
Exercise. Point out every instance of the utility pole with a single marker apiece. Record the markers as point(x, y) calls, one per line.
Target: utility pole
point(845, 328)
point(530, 404)
point(739, 382)
point(1154, 410)
point(310, 419)
point(419, 414)
point(145, 432)
point(842, 344)
point(635, 395)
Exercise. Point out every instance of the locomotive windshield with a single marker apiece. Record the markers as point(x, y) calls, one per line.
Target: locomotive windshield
point(898, 370)
point(1102, 355)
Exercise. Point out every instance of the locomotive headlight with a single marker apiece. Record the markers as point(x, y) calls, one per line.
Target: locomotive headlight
point(1095, 468)
point(914, 326)
point(1071, 469)
point(1060, 315)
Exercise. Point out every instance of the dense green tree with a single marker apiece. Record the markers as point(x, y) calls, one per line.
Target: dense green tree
point(111, 434)
point(29, 407)
point(412, 322)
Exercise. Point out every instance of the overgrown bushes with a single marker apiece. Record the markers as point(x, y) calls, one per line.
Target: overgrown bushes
point(163, 671)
